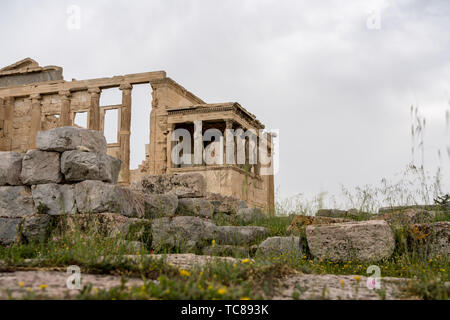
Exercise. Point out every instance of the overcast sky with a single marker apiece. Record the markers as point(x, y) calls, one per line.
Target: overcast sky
point(337, 78)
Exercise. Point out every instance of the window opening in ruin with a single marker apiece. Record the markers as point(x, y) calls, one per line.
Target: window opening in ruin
point(111, 126)
point(110, 97)
point(141, 106)
point(80, 119)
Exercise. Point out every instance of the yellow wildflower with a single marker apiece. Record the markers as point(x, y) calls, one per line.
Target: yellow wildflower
point(245, 261)
point(245, 298)
point(29, 289)
point(341, 282)
point(43, 286)
point(21, 284)
point(184, 273)
point(213, 243)
point(357, 278)
point(222, 291)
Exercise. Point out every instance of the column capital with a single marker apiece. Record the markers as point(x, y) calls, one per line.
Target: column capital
point(35, 96)
point(65, 94)
point(125, 86)
point(229, 123)
point(94, 90)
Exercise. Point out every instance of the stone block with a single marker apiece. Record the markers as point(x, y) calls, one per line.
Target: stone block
point(366, 241)
point(80, 166)
point(54, 199)
point(16, 202)
point(41, 167)
point(71, 138)
point(10, 168)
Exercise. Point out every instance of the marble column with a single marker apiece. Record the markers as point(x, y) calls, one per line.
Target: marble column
point(94, 109)
point(229, 143)
point(64, 118)
point(125, 131)
point(198, 143)
point(35, 119)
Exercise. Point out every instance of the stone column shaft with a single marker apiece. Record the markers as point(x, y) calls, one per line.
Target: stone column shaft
point(198, 143)
point(229, 143)
point(170, 129)
point(94, 109)
point(35, 119)
point(64, 119)
point(124, 132)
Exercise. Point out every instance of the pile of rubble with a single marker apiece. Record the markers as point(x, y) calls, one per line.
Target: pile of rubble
point(70, 175)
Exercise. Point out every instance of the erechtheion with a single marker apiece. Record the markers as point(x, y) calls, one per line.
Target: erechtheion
point(34, 98)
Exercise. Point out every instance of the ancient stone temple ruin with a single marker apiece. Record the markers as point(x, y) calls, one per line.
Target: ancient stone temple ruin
point(35, 98)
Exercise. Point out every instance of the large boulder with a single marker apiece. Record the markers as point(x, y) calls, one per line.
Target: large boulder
point(160, 205)
point(280, 246)
point(189, 185)
point(9, 230)
point(195, 206)
point(16, 202)
point(40, 167)
point(54, 199)
point(10, 168)
point(184, 233)
point(364, 241)
point(241, 235)
point(98, 197)
point(432, 239)
point(71, 138)
point(79, 166)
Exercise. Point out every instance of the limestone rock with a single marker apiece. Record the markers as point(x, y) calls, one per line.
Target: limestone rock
point(364, 241)
point(349, 214)
point(37, 227)
point(16, 202)
point(299, 222)
point(280, 246)
point(241, 235)
point(10, 168)
point(55, 199)
point(79, 166)
point(189, 185)
point(407, 216)
point(160, 205)
point(247, 215)
point(195, 206)
point(107, 225)
point(225, 204)
point(9, 230)
point(98, 197)
point(430, 238)
point(40, 167)
point(70, 138)
point(183, 260)
point(182, 232)
point(403, 208)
